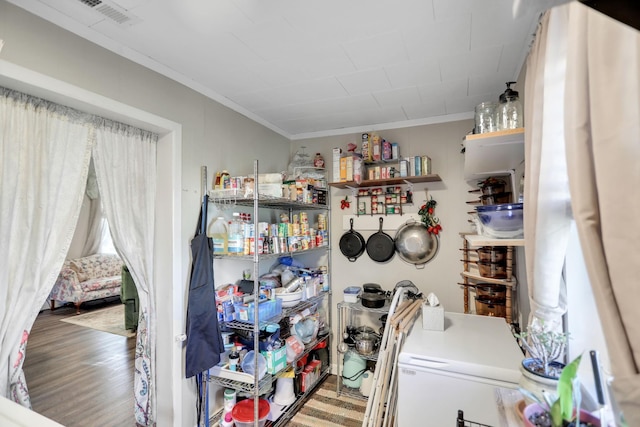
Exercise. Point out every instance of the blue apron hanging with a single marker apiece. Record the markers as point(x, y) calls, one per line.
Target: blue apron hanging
point(204, 340)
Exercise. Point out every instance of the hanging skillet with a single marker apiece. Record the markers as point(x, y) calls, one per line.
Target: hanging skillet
point(380, 246)
point(352, 243)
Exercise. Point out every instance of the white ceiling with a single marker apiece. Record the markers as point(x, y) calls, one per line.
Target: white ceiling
point(318, 68)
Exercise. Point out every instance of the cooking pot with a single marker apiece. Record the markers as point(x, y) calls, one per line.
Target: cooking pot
point(380, 246)
point(415, 244)
point(372, 287)
point(373, 300)
point(492, 186)
point(352, 243)
point(366, 343)
point(492, 253)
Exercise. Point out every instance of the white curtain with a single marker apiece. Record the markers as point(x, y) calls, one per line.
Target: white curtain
point(97, 223)
point(44, 157)
point(125, 161)
point(547, 209)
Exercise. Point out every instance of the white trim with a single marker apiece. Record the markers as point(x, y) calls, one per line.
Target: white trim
point(385, 126)
point(167, 245)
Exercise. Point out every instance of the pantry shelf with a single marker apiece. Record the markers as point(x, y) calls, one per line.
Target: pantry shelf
point(389, 181)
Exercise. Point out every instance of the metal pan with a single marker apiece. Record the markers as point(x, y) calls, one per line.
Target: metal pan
point(352, 243)
point(415, 244)
point(380, 246)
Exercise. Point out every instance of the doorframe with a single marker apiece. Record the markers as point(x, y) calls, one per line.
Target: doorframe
point(167, 243)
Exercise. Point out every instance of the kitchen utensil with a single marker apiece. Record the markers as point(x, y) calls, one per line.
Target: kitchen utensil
point(496, 198)
point(491, 270)
point(487, 306)
point(492, 186)
point(366, 343)
point(372, 300)
point(597, 377)
point(352, 244)
point(415, 244)
point(380, 246)
point(491, 290)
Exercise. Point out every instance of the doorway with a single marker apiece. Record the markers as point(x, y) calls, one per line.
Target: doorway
point(167, 242)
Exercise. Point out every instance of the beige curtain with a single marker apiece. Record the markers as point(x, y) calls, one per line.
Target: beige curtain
point(602, 125)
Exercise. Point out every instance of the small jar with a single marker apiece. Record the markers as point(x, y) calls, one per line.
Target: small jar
point(485, 117)
point(318, 161)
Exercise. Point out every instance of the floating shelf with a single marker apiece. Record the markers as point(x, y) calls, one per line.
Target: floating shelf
point(477, 240)
point(389, 181)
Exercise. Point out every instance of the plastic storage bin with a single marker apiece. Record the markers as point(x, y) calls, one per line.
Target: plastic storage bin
point(266, 310)
point(351, 294)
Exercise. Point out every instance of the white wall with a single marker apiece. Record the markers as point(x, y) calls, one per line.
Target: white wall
point(442, 142)
point(212, 135)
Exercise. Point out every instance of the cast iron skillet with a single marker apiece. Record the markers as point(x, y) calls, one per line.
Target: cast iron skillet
point(380, 246)
point(352, 244)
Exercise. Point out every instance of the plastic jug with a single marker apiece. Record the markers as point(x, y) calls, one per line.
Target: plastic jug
point(220, 235)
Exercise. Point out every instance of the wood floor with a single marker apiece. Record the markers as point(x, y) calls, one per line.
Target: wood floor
point(79, 376)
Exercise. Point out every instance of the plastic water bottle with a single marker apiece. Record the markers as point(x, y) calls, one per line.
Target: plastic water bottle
point(220, 234)
point(236, 235)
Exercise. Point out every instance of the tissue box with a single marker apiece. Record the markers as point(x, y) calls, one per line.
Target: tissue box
point(276, 360)
point(432, 317)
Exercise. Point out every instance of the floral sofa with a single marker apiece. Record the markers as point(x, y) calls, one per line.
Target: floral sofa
point(88, 278)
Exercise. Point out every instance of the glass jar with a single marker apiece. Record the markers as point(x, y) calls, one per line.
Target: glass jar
point(509, 110)
point(485, 117)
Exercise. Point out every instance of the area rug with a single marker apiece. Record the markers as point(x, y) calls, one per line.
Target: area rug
point(109, 319)
point(325, 409)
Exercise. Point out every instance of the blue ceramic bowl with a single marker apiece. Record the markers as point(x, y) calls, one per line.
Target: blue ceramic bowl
point(502, 221)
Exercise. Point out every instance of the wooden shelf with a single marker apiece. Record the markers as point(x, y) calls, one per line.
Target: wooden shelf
point(477, 240)
point(479, 278)
point(506, 135)
point(390, 181)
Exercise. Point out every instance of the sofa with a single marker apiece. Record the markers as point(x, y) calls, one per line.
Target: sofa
point(88, 278)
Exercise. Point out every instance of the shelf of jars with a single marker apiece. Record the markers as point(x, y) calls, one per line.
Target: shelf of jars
point(264, 256)
point(387, 182)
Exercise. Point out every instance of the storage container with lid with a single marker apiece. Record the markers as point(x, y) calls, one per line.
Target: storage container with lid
point(351, 294)
point(243, 413)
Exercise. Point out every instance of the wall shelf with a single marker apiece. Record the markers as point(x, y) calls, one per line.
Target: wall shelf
point(493, 153)
point(389, 181)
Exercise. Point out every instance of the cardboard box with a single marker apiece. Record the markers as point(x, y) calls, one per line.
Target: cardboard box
point(276, 360)
point(336, 164)
point(432, 317)
point(343, 169)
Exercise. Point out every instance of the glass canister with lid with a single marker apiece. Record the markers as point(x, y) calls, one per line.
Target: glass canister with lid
point(485, 117)
point(510, 115)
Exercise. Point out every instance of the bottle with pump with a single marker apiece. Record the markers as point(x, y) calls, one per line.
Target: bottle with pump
point(509, 109)
point(218, 231)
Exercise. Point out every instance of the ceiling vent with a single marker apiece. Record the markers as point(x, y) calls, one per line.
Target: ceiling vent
point(111, 11)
